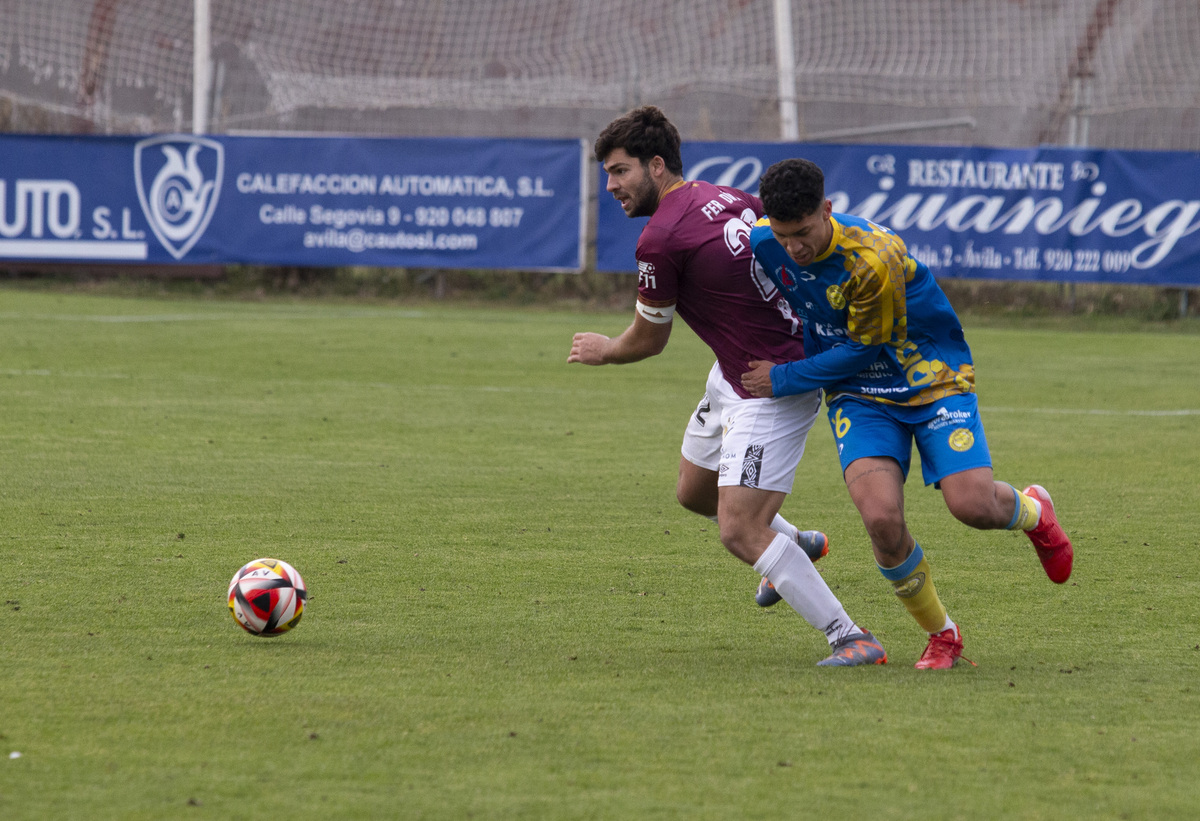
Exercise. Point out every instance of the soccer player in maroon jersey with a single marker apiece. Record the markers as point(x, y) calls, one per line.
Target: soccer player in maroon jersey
point(739, 453)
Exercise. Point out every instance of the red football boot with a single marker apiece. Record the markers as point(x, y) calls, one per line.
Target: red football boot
point(1051, 542)
point(943, 651)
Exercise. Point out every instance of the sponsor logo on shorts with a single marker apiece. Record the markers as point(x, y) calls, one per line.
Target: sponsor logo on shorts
point(910, 586)
point(946, 418)
point(752, 466)
point(961, 440)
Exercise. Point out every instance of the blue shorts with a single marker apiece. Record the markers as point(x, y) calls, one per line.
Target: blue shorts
point(948, 434)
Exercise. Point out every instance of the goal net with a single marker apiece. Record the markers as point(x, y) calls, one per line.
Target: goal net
point(1104, 73)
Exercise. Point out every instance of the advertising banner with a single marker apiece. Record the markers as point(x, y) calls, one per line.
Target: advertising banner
point(1028, 214)
point(307, 201)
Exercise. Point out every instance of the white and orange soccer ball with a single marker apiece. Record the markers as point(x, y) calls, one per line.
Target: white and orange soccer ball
point(267, 597)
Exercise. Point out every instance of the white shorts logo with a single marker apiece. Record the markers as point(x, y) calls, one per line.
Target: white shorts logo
point(184, 175)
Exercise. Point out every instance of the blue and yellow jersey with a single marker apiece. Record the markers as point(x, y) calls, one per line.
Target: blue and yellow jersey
point(876, 323)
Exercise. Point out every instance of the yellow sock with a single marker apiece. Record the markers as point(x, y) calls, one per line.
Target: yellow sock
point(914, 587)
point(1027, 512)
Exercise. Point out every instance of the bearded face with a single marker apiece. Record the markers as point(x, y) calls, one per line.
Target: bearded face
point(643, 199)
point(630, 183)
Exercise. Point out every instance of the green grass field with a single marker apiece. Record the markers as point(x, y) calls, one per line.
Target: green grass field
point(510, 616)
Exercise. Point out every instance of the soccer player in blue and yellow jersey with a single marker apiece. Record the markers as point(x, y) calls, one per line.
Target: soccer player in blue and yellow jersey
point(883, 341)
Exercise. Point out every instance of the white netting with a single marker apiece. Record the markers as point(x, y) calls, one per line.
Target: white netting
point(1109, 73)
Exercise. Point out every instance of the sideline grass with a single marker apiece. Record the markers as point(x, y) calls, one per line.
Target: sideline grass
point(511, 617)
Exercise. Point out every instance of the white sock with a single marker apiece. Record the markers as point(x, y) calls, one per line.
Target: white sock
point(790, 570)
point(782, 525)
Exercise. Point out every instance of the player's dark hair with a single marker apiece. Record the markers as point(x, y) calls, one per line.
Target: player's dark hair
point(644, 133)
point(792, 189)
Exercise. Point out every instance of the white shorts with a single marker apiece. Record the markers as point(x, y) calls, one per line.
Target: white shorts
point(749, 442)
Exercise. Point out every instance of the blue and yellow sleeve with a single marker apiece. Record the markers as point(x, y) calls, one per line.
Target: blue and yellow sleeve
point(820, 371)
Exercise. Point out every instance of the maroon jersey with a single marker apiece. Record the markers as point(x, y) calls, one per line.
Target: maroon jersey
point(695, 253)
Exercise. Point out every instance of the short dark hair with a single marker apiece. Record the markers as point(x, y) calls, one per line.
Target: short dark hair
point(644, 133)
point(792, 189)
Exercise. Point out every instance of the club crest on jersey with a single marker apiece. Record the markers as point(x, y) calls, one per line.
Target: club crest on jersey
point(785, 276)
point(835, 296)
point(178, 183)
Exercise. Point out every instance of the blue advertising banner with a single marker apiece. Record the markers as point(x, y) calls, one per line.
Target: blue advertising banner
point(1029, 214)
point(310, 201)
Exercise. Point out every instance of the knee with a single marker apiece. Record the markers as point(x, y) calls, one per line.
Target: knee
point(885, 526)
point(739, 539)
point(694, 502)
point(696, 490)
point(886, 529)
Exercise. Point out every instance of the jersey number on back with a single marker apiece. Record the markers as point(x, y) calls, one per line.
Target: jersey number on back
point(737, 231)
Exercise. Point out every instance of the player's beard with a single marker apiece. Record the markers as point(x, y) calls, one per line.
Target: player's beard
point(644, 201)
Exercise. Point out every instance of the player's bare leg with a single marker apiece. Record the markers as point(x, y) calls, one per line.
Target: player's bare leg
point(876, 486)
point(977, 500)
point(696, 489)
point(744, 517)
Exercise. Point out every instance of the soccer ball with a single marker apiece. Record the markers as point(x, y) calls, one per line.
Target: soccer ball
point(266, 597)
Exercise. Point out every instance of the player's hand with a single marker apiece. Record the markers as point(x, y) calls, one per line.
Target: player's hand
point(758, 380)
point(588, 349)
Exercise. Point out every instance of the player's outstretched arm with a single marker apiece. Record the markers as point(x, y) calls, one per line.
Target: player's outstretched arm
point(641, 340)
point(826, 368)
